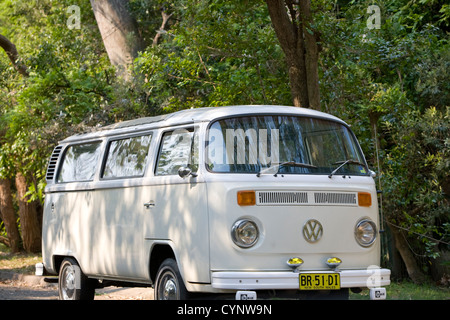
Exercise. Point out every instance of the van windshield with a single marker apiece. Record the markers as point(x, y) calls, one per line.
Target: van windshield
point(283, 144)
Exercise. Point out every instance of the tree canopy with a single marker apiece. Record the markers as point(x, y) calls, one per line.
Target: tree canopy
point(381, 66)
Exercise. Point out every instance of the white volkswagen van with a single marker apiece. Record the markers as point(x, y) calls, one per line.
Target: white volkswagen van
point(243, 200)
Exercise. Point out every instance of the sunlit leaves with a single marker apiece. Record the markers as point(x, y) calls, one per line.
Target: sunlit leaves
point(67, 83)
point(219, 53)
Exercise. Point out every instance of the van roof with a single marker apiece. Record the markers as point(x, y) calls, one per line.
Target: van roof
point(194, 115)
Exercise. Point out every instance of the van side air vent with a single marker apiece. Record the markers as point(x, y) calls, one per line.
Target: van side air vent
point(334, 198)
point(282, 197)
point(51, 168)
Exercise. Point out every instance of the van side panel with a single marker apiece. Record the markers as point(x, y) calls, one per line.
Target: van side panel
point(180, 216)
point(114, 244)
point(110, 231)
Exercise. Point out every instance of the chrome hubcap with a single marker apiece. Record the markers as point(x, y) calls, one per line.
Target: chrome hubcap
point(168, 289)
point(68, 283)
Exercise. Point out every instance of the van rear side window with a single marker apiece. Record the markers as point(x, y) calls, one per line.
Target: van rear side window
point(127, 157)
point(80, 162)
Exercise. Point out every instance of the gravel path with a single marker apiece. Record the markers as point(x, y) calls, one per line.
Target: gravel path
point(18, 290)
point(19, 287)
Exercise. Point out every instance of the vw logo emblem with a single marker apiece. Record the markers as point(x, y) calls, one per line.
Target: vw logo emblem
point(312, 230)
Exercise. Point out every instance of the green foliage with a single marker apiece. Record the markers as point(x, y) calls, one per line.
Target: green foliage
point(67, 83)
point(394, 80)
point(419, 156)
point(218, 53)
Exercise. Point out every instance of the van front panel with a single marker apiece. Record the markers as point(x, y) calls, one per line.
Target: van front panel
point(284, 226)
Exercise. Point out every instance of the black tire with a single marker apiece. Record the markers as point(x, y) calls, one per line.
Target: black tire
point(169, 285)
point(72, 283)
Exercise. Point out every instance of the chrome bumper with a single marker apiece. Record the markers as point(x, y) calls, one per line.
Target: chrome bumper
point(367, 278)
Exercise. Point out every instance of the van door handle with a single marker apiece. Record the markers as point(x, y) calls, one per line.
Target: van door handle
point(149, 204)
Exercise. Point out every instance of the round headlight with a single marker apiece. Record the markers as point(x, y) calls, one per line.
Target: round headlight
point(365, 232)
point(245, 233)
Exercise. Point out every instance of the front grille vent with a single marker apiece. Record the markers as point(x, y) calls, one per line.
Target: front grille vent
point(274, 198)
point(334, 198)
point(282, 197)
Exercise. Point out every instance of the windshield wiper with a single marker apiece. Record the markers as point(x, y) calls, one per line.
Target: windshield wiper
point(284, 164)
point(343, 163)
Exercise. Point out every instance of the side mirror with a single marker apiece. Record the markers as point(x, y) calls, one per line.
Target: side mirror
point(185, 172)
point(373, 174)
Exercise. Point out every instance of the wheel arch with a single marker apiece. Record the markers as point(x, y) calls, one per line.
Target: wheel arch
point(158, 253)
point(58, 260)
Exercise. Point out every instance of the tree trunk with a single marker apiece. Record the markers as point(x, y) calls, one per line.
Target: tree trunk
point(8, 215)
point(29, 222)
point(402, 246)
point(119, 32)
point(311, 54)
point(292, 24)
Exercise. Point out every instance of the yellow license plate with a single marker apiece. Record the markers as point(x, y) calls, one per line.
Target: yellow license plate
point(319, 281)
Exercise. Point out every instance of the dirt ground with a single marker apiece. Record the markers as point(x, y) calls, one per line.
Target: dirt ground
point(34, 288)
point(17, 290)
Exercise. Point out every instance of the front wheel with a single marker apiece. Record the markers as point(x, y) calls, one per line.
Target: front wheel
point(72, 283)
point(169, 284)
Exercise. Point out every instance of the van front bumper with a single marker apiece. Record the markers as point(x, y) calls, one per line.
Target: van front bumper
point(365, 278)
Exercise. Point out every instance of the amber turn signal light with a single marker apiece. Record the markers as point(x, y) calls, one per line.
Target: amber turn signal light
point(246, 198)
point(364, 199)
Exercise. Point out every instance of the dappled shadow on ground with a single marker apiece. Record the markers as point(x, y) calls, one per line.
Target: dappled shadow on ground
point(16, 290)
point(21, 290)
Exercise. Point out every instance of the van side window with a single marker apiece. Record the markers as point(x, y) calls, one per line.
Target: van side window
point(127, 157)
point(80, 162)
point(179, 148)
